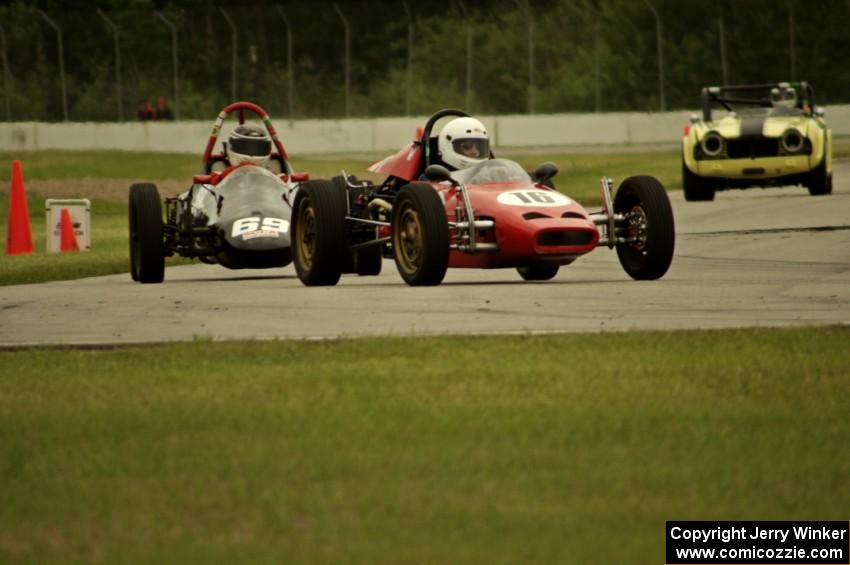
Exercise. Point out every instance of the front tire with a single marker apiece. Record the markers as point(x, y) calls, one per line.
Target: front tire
point(538, 272)
point(649, 223)
point(695, 187)
point(318, 233)
point(147, 247)
point(420, 235)
point(819, 182)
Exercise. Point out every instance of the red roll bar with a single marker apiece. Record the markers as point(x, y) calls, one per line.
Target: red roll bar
point(242, 106)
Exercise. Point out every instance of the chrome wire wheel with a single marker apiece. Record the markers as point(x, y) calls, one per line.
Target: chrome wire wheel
point(636, 229)
point(647, 229)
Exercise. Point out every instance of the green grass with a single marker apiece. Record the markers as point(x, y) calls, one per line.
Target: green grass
point(841, 148)
point(556, 449)
point(44, 165)
point(109, 252)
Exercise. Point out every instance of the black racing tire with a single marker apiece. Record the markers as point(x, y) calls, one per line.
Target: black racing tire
point(818, 181)
point(538, 272)
point(368, 260)
point(147, 245)
point(649, 216)
point(695, 187)
point(420, 235)
point(318, 233)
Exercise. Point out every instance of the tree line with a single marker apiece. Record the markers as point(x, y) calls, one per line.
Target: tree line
point(406, 57)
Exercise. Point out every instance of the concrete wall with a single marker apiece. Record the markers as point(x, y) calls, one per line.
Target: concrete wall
point(369, 135)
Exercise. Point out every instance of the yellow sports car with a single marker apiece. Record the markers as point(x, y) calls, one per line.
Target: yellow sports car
point(769, 135)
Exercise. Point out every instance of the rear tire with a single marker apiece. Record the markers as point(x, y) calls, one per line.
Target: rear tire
point(420, 235)
point(649, 217)
point(695, 187)
point(318, 233)
point(538, 272)
point(818, 182)
point(147, 247)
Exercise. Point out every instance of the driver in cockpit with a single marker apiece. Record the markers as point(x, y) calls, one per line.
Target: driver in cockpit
point(463, 142)
point(249, 144)
point(783, 96)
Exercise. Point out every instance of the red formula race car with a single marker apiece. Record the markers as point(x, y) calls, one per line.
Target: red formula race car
point(492, 214)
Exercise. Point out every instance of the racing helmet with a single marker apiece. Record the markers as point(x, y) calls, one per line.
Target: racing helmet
point(463, 142)
point(249, 144)
point(783, 96)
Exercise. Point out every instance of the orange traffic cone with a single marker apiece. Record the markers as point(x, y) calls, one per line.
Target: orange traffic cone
point(67, 237)
point(18, 233)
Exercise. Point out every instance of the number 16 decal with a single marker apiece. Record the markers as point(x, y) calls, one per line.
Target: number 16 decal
point(536, 198)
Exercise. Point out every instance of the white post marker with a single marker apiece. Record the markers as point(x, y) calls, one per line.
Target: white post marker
point(80, 212)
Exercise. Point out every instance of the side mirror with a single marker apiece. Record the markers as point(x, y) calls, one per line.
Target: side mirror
point(819, 111)
point(694, 118)
point(545, 171)
point(437, 173)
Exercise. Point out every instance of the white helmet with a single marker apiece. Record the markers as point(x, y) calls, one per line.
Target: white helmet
point(783, 97)
point(463, 142)
point(249, 144)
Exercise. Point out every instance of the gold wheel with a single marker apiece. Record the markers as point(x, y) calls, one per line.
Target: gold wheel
point(319, 245)
point(420, 235)
point(409, 239)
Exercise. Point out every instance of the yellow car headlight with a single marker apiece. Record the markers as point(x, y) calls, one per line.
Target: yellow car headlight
point(712, 144)
point(792, 141)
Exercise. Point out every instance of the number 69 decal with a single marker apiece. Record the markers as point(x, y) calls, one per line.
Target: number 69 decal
point(252, 224)
point(535, 198)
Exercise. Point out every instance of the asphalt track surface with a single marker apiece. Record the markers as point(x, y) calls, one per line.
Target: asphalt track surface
point(754, 258)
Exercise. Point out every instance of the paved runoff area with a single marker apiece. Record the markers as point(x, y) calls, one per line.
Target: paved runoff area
point(775, 257)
